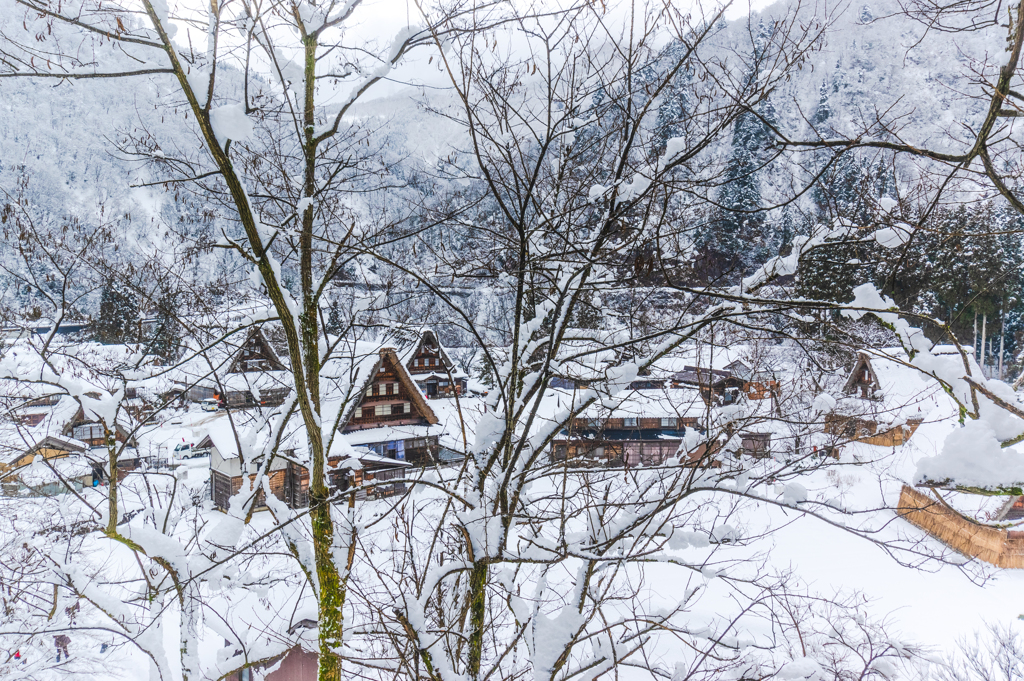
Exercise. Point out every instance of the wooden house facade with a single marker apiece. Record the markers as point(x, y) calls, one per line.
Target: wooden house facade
point(624, 439)
point(863, 381)
point(639, 427)
point(433, 370)
point(289, 480)
point(725, 386)
point(390, 407)
point(860, 417)
point(255, 377)
point(50, 447)
point(389, 398)
point(92, 432)
point(869, 431)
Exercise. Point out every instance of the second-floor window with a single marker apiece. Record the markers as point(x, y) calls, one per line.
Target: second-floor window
point(89, 431)
point(668, 422)
point(629, 423)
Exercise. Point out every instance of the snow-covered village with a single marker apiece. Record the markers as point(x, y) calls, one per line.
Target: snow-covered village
point(403, 340)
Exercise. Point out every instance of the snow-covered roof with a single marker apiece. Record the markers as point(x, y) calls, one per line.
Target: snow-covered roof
point(650, 403)
point(52, 470)
point(903, 392)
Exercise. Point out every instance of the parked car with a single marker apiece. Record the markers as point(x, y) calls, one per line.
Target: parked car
point(189, 451)
point(210, 404)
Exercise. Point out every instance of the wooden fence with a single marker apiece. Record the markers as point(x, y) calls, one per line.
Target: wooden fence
point(998, 546)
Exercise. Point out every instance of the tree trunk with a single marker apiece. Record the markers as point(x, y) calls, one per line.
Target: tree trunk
point(477, 611)
point(331, 594)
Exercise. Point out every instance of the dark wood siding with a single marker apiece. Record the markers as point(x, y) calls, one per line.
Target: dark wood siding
point(386, 393)
point(296, 485)
point(222, 489)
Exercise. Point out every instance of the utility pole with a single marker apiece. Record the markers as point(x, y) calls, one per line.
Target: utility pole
point(1002, 337)
point(975, 346)
point(984, 318)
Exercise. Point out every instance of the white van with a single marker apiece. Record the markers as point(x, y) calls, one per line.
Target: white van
point(210, 404)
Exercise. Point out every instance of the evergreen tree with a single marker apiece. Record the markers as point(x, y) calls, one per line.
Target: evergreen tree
point(737, 237)
point(165, 340)
point(824, 111)
point(737, 240)
point(672, 110)
point(334, 324)
point(118, 319)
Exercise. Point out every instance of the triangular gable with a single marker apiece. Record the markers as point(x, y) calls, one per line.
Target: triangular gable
point(96, 436)
point(863, 378)
point(738, 368)
point(428, 347)
point(408, 393)
point(256, 354)
point(51, 446)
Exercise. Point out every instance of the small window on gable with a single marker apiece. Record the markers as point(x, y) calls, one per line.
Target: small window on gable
point(385, 410)
point(32, 419)
point(398, 408)
point(89, 431)
point(367, 412)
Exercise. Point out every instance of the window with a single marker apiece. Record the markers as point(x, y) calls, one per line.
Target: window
point(385, 410)
point(668, 422)
point(398, 408)
point(89, 431)
point(389, 388)
point(367, 412)
point(629, 422)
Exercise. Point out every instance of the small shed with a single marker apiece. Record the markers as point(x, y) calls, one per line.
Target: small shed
point(226, 474)
point(863, 381)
